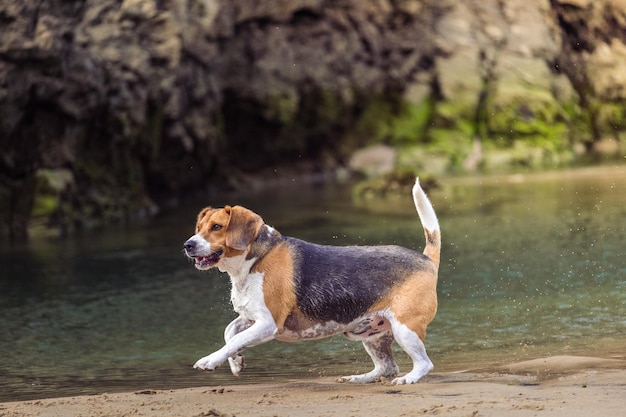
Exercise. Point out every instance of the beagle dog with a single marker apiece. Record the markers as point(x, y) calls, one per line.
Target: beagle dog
point(288, 289)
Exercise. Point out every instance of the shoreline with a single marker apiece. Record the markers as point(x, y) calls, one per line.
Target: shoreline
point(552, 386)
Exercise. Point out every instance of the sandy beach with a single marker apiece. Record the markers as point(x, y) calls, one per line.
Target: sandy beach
point(565, 386)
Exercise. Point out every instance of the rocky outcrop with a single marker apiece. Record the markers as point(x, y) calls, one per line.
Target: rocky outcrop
point(538, 78)
point(112, 108)
point(146, 100)
point(592, 55)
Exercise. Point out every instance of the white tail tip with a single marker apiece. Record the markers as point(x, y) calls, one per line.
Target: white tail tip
point(424, 208)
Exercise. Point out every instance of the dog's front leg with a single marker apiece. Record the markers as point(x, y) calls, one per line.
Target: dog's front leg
point(263, 330)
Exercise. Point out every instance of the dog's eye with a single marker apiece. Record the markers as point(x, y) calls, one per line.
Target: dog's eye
point(216, 227)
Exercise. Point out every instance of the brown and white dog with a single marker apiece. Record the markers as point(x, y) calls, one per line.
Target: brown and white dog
point(288, 289)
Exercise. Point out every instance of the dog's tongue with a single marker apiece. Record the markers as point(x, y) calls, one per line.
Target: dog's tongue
point(209, 260)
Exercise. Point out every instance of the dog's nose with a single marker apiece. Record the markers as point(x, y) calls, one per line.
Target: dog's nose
point(189, 245)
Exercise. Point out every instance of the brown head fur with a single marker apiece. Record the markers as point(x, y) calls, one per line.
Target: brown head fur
point(236, 227)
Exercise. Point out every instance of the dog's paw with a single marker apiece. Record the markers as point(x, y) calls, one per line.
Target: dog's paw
point(407, 379)
point(401, 381)
point(237, 363)
point(359, 379)
point(208, 363)
point(414, 376)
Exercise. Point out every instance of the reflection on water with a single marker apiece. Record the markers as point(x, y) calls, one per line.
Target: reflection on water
point(531, 266)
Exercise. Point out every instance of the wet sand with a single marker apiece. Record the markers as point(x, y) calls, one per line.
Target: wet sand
point(565, 386)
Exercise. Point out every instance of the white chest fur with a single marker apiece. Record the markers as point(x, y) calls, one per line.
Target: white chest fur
point(247, 296)
point(247, 292)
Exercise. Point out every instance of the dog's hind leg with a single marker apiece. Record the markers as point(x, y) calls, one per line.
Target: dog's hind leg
point(411, 343)
point(237, 361)
point(379, 349)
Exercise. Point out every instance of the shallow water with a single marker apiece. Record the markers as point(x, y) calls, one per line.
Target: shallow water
point(531, 266)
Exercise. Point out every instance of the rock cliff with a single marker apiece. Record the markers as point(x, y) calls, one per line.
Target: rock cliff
point(111, 108)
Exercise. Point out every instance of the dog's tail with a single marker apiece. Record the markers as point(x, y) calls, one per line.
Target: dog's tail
point(429, 223)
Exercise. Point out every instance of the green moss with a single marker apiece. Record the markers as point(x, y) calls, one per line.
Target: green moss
point(454, 116)
point(611, 118)
point(281, 108)
point(50, 185)
point(45, 205)
point(453, 144)
point(411, 122)
point(374, 120)
point(518, 128)
point(387, 118)
point(527, 115)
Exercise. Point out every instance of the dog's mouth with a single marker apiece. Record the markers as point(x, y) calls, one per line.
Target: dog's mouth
point(204, 262)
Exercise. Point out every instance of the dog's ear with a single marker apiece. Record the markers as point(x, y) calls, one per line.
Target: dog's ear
point(243, 227)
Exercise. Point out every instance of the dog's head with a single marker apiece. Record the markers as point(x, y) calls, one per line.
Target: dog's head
point(222, 233)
